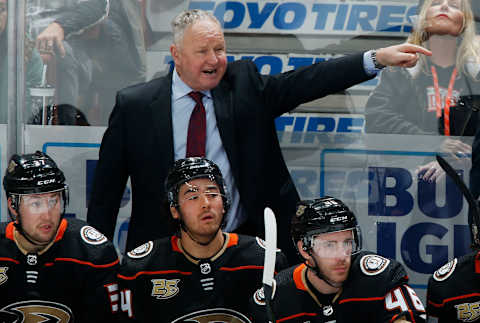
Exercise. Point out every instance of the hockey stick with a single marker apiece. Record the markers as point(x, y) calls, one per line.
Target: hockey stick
point(474, 212)
point(269, 262)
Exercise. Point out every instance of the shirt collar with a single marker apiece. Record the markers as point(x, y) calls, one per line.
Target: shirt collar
point(181, 89)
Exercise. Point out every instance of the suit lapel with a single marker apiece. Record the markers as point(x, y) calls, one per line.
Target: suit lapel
point(161, 113)
point(223, 105)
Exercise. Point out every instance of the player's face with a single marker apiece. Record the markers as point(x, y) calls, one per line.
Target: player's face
point(332, 252)
point(40, 215)
point(200, 58)
point(200, 207)
point(445, 17)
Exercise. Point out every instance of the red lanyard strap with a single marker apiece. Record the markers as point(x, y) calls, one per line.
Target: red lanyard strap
point(448, 99)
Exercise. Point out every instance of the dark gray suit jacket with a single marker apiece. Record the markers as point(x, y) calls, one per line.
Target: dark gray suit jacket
point(139, 143)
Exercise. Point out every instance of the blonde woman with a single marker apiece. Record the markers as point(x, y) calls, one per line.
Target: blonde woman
point(435, 96)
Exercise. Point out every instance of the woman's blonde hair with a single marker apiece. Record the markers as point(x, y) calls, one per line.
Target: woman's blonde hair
point(468, 48)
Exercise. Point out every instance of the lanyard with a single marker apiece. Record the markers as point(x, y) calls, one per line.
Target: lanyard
point(448, 99)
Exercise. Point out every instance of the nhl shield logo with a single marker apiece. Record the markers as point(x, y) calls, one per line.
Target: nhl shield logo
point(32, 259)
point(328, 310)
point(205, 268)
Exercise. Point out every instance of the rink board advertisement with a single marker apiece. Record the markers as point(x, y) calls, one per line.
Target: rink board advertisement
point(267, 64)
point(325, 17)
point(420, 223)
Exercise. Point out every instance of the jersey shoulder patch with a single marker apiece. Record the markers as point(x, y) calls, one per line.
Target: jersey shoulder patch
point(141, 251)
point(372, 265)
point(92, 236)
point(445, 271)
point(259, 297)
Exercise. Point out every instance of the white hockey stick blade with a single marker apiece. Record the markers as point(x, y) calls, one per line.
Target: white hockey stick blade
point(271, 246)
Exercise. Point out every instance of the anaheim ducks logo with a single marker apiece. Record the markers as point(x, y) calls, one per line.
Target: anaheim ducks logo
point(468, 312)
point(214, 315)
point(36, 312)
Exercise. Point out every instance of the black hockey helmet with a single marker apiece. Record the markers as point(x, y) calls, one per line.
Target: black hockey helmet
point(33, 174)
point(187, 169)
point(322, 215)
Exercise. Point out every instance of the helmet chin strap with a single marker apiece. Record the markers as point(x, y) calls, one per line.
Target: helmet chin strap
point(20, 230)
point(185, 229)
point(17, 222)
point(316, 270)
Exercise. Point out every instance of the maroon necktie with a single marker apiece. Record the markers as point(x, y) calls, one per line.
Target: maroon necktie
point(197, 128)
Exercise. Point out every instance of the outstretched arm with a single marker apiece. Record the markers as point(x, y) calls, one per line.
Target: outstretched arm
point(404, 55)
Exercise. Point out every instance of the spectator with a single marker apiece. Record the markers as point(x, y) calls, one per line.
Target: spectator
point(416, 100)
point(32, 61)
point(99, 47)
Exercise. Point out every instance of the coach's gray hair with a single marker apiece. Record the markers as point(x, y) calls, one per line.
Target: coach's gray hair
point(187, 18)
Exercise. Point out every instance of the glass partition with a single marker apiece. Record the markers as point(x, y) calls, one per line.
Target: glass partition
point(373, 145)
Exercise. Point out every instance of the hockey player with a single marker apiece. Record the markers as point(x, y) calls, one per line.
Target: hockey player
point(201, 274)
point(453, 293)
point(51, 268)
point(337, 281)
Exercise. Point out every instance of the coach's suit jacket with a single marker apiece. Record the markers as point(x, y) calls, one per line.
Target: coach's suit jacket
point(139, 143)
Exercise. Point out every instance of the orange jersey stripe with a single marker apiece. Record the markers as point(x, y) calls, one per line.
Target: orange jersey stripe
point(81, 262)
point(159, 272)
point(241, 268)
point(453, 299)
point(295, 316)
point(9, 259)
point(368, 299)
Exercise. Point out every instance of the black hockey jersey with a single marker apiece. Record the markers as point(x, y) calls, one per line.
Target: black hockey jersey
point(376, 290)
point(160, 283)
point(453, 293)
point(74, 280)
